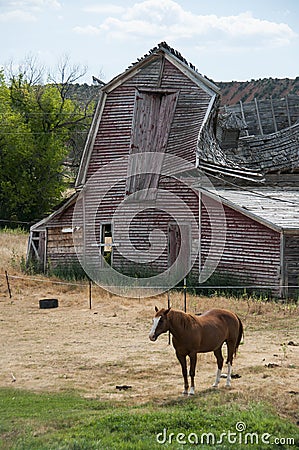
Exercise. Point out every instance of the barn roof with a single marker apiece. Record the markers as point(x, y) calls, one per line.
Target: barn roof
point(172, 55)
point(278, 151)
point(269, 141)
point(275, 208)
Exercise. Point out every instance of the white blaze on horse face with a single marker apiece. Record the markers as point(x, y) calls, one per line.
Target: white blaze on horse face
point(154, 327)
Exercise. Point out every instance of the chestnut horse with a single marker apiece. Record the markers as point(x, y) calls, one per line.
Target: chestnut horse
point(193, 334)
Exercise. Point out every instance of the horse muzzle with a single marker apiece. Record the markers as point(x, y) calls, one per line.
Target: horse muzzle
point(153, 337)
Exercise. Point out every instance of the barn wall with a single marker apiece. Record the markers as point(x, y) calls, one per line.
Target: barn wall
point(60, 247)
point(291, 252)
point(150, 217)
point(252, 250)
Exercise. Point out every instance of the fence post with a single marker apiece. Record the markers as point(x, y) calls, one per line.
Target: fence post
point(168, 306)
point(185, 294)
point(90, 297)
point(8, 285)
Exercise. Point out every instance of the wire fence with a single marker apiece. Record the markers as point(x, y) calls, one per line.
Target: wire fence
point(184, 289)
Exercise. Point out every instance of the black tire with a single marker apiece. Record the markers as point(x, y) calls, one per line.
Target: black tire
point(47, 303)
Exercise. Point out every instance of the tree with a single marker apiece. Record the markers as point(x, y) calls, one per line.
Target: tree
point(36, 131)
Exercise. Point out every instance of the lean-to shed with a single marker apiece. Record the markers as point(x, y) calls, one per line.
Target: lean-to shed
point(262, 238)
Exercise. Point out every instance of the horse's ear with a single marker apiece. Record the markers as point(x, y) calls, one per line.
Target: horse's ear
point(156, 309)
point(167, 311)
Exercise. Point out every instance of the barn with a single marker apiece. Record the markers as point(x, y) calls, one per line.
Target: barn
point(145, 204)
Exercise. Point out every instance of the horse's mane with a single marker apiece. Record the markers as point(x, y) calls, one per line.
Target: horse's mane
point(181, 318)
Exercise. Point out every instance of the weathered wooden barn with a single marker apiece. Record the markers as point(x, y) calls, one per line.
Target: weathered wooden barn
point(159, 105)
point(162, 106)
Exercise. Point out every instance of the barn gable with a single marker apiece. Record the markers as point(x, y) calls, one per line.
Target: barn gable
point(157, 81)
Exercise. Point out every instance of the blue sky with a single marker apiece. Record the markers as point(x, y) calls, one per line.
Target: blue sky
point(225, 39)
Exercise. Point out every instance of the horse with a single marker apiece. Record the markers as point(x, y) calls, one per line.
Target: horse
point(192, 334)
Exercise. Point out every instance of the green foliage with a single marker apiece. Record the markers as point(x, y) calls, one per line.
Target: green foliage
point(66, 421)
point(36, 128)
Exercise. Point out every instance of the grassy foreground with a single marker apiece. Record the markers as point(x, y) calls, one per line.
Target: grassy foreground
point(67, 421)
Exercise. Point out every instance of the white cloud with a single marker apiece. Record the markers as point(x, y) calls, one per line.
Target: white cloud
point(17, 15)
point(25, 10)
point(166, 19)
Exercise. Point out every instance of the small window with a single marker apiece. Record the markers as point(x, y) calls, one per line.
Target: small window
point(106, 242)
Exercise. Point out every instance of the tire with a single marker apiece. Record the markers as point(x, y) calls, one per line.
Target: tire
point(47, 303)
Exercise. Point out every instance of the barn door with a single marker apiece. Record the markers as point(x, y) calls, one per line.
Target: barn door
point(174, 243)
point(153, 115)
point(179, 245)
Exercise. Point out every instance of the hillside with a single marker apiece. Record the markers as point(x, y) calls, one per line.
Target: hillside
point(234, 91)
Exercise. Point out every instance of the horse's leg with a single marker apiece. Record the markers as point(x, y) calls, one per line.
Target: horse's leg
point(219, 357)
point(183, 362)
point(193, 360)
point(229, 362)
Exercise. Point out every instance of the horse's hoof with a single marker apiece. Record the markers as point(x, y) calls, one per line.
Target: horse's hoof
point(228, 386)
point(185, 393)
point(191, 392)
point(215, 386)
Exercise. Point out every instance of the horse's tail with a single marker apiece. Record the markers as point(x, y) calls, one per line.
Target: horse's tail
point(240, 335)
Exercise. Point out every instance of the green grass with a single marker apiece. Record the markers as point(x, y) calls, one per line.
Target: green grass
point(67, 421)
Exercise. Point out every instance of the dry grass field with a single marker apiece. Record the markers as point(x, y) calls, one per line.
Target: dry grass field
point(92, 351)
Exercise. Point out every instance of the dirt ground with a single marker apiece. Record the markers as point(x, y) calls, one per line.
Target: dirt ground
point(95, 350)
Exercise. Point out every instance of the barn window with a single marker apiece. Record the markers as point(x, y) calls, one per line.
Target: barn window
point(106, 245)
point(152, 120)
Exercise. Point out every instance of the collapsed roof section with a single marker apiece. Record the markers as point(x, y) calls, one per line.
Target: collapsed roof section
point(260, 136)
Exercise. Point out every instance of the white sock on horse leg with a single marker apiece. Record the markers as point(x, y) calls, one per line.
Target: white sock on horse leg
point(218, 376)
point(229, 374)
point(192, 391)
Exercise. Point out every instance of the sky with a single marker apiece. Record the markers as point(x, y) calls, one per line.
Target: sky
point(225, 39)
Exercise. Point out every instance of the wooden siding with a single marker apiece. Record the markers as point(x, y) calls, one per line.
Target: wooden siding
point(252, 250)
point(291, 253)
point(150, 218)
point(60, 247)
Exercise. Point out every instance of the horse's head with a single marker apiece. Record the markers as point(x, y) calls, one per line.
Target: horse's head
point(160, 323)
